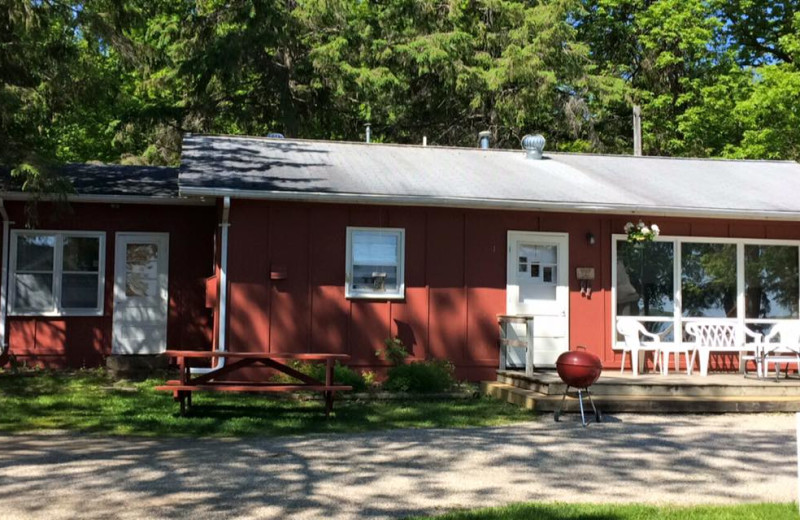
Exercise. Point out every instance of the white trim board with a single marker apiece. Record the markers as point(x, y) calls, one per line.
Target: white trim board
point(486, 203)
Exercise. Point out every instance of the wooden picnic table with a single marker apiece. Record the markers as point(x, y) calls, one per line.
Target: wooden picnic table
point(187, 383)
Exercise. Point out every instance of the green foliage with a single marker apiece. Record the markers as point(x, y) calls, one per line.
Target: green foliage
point(42, 184)
point(394, 352)
point(624, 512)
point(342, 374)
point(89, 401)
point(431, 376)
point(370, 378)
point(121, 81)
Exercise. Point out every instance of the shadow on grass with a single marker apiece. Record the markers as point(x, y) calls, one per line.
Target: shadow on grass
point(89, 401)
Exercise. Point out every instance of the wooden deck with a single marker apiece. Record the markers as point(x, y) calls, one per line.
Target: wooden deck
point(654, 393)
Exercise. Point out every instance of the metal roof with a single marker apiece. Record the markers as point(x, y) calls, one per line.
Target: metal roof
point(332, 171)
point(329, 171)
point(110, 182)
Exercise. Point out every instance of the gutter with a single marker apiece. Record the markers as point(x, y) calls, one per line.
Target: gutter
point(119, 199)
point(489, 203)
point(4, 347)
point(223, 288)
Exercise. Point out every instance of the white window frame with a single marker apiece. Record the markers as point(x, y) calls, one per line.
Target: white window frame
point(58, 268)
point(677, 319)
point(400, 293)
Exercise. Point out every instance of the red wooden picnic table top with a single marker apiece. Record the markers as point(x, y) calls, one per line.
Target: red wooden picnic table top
point(254, 355)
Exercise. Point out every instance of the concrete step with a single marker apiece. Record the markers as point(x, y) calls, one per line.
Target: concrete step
point(136, 367)
point(655, 385)
point(646, 404)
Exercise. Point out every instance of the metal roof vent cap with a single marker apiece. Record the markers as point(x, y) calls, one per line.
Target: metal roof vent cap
point(484, 138)
point(534, 145)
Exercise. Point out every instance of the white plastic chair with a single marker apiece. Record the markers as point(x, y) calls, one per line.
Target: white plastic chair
point(720, 337)
point(786, 333)
point(632, 330)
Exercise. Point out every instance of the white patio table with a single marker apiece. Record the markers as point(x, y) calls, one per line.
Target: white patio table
point(778, 353)
point(676, 349)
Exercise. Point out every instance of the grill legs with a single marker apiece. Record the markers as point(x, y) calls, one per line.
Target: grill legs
point(557, 413)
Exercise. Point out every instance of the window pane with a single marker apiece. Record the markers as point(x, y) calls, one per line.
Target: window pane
point(33, 292)
point(79, 291)
point(374, 278)
point(141, 270)
point(645, 279)
point(771, 281)
point(35, 252)
point(374, 248)
point(81, 254)
point(539, 254)
point(708, 280)
point(665, 329)
point(375, 261)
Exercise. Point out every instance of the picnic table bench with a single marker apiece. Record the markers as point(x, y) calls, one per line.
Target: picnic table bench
point(187, 383)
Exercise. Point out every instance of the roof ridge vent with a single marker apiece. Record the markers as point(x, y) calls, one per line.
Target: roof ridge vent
point(533, 145)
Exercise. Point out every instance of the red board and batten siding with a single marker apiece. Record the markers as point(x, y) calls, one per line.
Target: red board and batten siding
point(85, 341)
point(455, 279)
point(455, 262)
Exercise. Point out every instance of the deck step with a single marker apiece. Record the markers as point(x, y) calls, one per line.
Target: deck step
point(645, 403)
point(655, 385)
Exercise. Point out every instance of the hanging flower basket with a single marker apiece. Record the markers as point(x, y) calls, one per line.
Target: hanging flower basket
point(641, 232)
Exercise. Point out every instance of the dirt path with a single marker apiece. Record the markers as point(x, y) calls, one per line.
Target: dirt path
point(631, 458)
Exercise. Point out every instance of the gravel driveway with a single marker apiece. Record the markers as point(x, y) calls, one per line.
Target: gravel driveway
point(629, 458)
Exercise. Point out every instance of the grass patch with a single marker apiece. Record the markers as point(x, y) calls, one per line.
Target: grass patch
point(89, 401)
point(624, 512)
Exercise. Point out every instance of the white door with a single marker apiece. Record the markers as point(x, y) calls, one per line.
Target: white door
point(538, 284)
point(140, 293)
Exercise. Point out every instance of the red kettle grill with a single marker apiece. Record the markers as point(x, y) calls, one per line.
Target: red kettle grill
point(579, 370)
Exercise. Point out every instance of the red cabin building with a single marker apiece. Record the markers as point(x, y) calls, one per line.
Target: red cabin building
point(259, 244)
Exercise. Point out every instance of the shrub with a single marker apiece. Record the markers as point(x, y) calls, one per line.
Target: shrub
point(342, 374)
point(370, 378)
point(395, 351)
point(421, 376)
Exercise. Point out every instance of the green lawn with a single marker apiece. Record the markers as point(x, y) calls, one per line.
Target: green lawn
point(625, 512)
point(90, 402)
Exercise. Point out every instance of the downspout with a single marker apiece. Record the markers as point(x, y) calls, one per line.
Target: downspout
point(223, 288)
point(4, 286)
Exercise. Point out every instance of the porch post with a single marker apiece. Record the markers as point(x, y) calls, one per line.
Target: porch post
point(503, 344)
point(529, 346)
point(797, 434)
point(4, 346)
